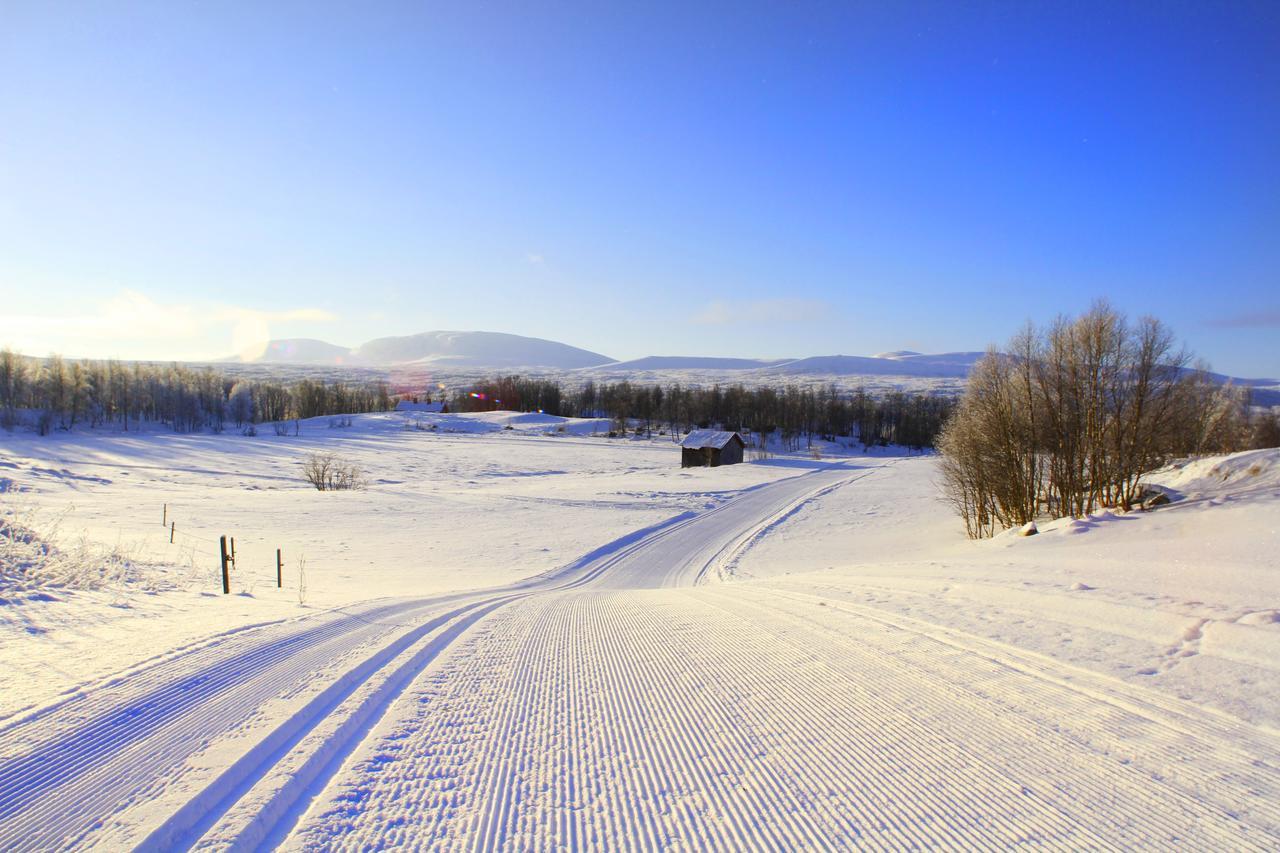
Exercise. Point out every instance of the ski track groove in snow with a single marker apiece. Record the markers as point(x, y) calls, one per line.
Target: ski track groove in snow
point(766, 737)
point(591, 708)
point(69, 770)
point(71, 781)
point(1188, 754)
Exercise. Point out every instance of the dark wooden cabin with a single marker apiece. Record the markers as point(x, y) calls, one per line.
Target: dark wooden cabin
point(710, 447)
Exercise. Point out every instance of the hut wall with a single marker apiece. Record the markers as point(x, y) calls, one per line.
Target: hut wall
point(694, 457)
point(731, 455)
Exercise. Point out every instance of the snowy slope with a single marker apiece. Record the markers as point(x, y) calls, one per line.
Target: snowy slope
point(534, 638)
point(676, 362)
point(935, 366)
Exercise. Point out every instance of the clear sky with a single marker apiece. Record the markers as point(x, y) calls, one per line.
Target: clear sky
point(179, 179)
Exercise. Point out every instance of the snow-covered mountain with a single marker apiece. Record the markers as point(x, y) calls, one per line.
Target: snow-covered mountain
point(444, 349)
point(477, 349)
point(304, 351)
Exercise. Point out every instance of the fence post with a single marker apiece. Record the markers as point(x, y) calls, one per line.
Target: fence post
point(233, 551)
point(226, 576)
point(279, 570)
point(166, 516)
point(172, 526)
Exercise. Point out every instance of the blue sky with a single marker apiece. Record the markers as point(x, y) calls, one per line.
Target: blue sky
point(178, 180)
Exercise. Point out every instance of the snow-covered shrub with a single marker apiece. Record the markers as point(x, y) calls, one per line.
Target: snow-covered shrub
point(328, 473)
point(30, 559)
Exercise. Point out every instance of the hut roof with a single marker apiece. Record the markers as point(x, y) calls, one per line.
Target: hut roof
point(410, 406)
point(717, 439)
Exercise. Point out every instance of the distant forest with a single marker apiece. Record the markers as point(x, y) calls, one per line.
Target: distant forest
point(60, 394)
point(797, 415)
point(57, 393)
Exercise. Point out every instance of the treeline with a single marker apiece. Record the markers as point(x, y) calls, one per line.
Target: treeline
point(797, 415)
point(57, 393)
point(1069, 418)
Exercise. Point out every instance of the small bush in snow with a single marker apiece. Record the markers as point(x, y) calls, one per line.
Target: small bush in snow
point(328, 473)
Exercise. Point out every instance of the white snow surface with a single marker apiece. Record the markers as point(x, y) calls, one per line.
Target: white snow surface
point(524, 634)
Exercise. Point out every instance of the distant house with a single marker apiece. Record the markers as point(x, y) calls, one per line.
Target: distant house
point(710, 447)
point(412, 406)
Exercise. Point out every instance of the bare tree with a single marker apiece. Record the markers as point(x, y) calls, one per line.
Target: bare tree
point(1070, 418)
point(329, 474)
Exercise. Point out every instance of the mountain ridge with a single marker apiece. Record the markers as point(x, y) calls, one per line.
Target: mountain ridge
point(504, 351)
point(445, 348)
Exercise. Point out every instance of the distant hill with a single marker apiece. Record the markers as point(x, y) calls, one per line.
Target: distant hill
point(944, 365)
point(445, 349)
point(680, 362)
point(477, 349)
point(304, 351)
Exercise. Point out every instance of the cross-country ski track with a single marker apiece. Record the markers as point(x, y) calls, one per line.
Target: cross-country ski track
point(625, 701)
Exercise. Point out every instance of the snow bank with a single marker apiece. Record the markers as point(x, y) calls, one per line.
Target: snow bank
point(1236, 475)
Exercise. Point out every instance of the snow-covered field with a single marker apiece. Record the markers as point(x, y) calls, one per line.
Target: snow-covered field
point(541, 637)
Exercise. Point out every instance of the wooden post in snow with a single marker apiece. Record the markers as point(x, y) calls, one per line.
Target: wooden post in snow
point(233, 552)
point(226, 573)
point(166, 516)
point(279, 570)
point(172, 526)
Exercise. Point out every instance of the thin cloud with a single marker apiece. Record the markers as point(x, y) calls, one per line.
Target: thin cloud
point(130, 321)
point(762, 311)
point(1249, 320)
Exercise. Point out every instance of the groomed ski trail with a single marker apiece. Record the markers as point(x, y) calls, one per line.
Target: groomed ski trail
point(159, 758)
point(732, 718)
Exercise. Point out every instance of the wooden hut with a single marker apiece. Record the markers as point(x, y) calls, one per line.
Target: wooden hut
point(710, 447)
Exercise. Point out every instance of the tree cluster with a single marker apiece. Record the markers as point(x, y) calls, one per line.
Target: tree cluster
point(56, 393)
point(1068, 418)
point(796, 415)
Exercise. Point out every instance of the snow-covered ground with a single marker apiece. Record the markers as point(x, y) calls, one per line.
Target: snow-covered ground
point(470, 504)
point(537, 636)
